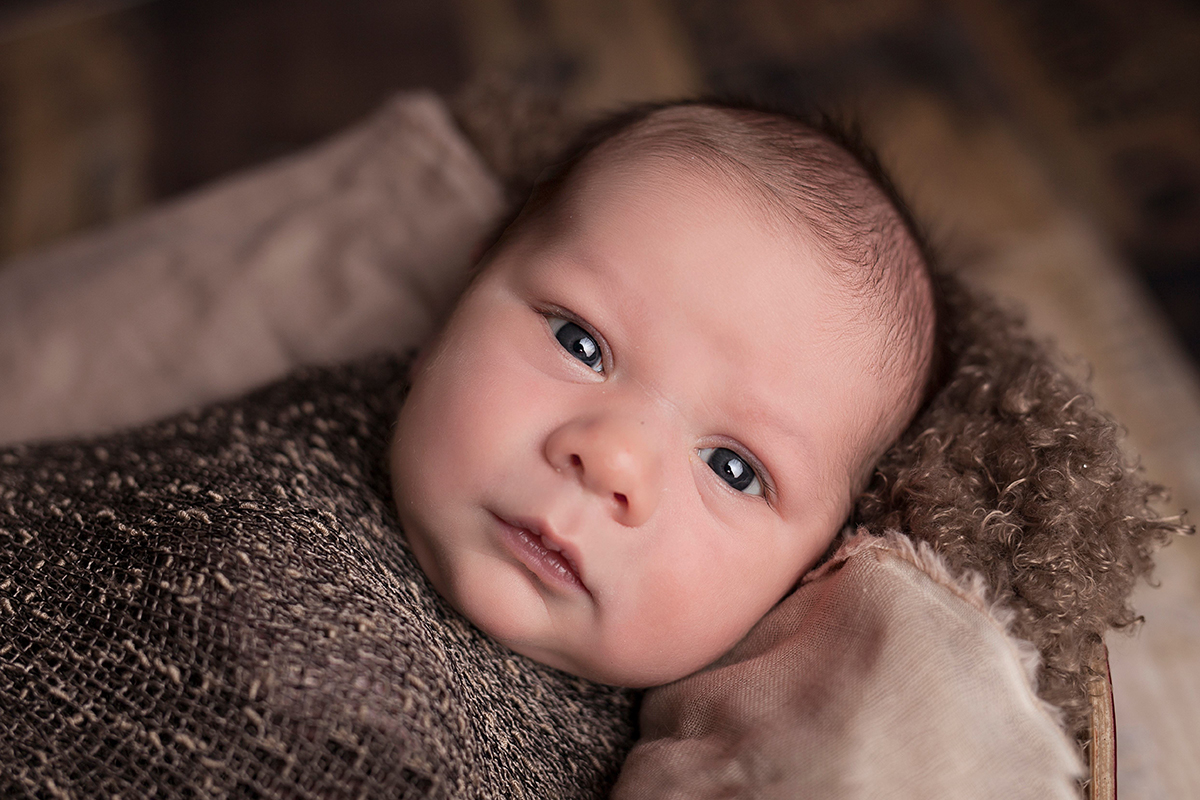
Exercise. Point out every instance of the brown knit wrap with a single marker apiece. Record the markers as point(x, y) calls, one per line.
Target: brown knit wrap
point(222, 604)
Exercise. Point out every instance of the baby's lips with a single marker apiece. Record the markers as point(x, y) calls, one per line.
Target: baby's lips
point(550, 540)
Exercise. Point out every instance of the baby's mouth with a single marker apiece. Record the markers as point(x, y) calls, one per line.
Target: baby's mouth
point(540, 554)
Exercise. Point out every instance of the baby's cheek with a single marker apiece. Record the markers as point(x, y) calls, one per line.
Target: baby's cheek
point(425, 455)
point(672, 631)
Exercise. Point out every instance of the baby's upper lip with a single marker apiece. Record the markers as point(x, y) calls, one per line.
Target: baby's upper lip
point(551, 540)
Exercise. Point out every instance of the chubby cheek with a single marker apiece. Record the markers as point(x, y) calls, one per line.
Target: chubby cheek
point(436, 430)
point(469, 418)
point(681, 617)
point(700, 592)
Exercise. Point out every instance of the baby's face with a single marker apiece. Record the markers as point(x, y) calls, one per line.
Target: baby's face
point(637, 430)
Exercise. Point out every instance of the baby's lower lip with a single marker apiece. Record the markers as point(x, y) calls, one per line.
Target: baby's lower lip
point(548, 565)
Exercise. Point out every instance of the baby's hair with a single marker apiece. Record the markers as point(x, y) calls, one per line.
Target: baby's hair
point(811, 176)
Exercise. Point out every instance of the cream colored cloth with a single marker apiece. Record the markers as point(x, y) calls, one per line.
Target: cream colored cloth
point(881, 676)
point(355, 245)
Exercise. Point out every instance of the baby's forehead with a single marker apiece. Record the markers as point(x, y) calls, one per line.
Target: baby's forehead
point(766, 283)
point(650, 175)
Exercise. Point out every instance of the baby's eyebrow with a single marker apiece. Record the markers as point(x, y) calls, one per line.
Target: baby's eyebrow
point(767, 430)
point(745, 404)
point(769, 414)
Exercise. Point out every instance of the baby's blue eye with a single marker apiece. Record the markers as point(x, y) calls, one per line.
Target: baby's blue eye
point(732, 469)
point(577, 342)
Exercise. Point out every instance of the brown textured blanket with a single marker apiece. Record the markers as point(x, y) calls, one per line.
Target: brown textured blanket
point(222, 604)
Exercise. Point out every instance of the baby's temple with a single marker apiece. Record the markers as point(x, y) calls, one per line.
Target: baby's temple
point(496, 449)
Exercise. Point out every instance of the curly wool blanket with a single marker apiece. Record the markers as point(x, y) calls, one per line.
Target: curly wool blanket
point(222, 604)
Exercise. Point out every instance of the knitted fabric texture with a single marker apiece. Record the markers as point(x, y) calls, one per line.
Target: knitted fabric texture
point(222, 604)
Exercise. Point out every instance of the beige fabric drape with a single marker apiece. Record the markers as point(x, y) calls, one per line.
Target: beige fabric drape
point(881, 676)
point(355, 245)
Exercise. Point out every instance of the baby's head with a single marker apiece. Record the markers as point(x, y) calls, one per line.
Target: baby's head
point(650, 412)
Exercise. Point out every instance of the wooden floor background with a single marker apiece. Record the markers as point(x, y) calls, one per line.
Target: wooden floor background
point(1053, 146)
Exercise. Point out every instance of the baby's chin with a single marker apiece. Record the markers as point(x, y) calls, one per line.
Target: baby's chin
point(627, 669)
point(598, 671)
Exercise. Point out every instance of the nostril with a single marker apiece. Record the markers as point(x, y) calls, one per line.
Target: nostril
point(621, 499)
point(576, 461)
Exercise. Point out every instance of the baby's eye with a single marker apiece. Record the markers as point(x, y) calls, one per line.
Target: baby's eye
point(577, 342)
point(733, 469)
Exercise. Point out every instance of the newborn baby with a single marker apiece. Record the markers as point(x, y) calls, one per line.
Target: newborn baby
point(650, 412)
point(645, 419)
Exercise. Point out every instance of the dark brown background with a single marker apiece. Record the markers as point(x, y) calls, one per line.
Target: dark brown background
point(109, 105)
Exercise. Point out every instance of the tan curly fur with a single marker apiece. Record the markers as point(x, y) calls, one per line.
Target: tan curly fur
point(1011, 471)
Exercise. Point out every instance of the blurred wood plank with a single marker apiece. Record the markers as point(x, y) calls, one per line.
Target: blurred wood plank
point(1106, 93)
point(1047, 110)
point(75, 125)
point(235, 83)
point(600, 56)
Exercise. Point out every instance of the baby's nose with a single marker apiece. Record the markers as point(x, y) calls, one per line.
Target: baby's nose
point(614, 457)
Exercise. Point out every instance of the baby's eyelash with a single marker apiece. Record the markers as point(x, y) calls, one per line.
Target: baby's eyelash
point(578, 338)
point(722, 458)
